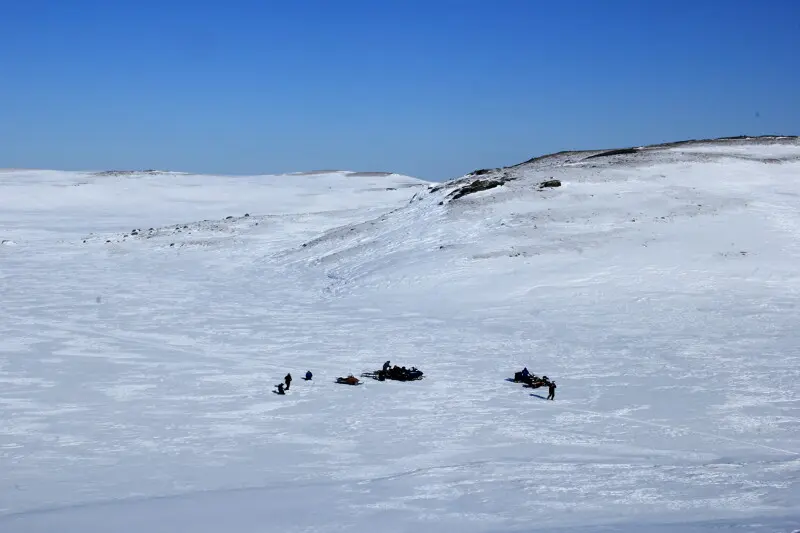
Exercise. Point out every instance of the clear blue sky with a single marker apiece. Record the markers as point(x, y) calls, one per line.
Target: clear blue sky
point(433, 88)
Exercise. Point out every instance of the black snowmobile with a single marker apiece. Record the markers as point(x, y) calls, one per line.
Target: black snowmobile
point(531, 380)
point(395, 373)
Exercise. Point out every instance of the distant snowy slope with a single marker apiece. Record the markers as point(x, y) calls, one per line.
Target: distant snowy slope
point(74, 203)
point(147, 318)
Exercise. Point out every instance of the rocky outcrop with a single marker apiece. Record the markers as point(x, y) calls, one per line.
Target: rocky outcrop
point(477, 186)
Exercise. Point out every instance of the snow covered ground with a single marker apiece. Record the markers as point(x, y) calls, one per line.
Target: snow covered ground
point(659, 289)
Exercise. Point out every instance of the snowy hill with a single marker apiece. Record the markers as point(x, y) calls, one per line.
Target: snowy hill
point(147, 316)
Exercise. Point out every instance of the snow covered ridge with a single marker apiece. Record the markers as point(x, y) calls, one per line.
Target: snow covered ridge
point(657, 286)
point(573, 202)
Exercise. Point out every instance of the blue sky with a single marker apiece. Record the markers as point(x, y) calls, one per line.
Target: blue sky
point(433, 88)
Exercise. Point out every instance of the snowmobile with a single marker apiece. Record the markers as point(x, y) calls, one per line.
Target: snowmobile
point(395, 373)
point(531, 380)
point(349, 380)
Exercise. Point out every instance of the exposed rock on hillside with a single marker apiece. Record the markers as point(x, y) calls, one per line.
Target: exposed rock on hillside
point(550, 183)
point(477, 186)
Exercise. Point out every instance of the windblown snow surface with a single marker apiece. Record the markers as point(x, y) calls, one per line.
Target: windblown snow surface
point(659, 288)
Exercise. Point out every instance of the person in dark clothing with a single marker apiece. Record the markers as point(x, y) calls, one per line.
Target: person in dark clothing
point(308, 375)
point(551, 387)
point(525, 372)
point(386, 365)
point(280, 388)
point(288, 380)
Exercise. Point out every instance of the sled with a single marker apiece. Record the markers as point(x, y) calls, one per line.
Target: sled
point(350, 380)
point(535, 384)
point(397, 375)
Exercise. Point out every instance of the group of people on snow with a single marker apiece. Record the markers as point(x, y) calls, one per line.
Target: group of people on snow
point(532, 380)
point(281, 388)
point(404, 374)
point(287, 381)
point(399, 373)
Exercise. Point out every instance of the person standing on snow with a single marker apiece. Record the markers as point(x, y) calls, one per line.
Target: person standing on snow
point(308, 375)
point(551, 387)
point(386, 365)
point(288, 380)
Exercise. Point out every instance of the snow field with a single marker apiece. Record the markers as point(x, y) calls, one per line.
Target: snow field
point(659, 291)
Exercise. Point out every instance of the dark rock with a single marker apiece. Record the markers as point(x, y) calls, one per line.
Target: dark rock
point(228, 218)
point(172, 244)
point(622, 151)
point(246, 215)
point(550, 183)
point(481, 171)
point(477, 186)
